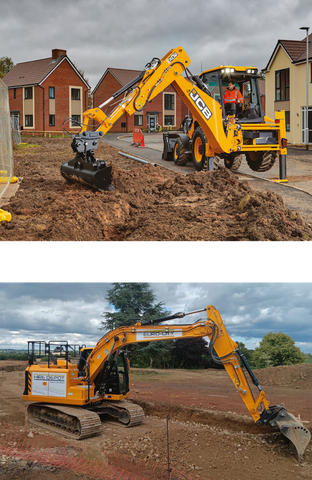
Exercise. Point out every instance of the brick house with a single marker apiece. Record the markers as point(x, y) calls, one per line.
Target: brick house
point(43, 93)
point(165, 109)
point(285, 86)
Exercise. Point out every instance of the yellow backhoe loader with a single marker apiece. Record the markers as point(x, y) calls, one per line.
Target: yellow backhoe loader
point(71, 397)
point(217, 130)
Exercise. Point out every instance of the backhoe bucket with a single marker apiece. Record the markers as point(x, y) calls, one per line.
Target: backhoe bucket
point(92, 174)
point(278, 417)
point(85, 168)
point(297, 433)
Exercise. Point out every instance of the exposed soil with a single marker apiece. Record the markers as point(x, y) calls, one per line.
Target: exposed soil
point(210, 432)
point(149, 203)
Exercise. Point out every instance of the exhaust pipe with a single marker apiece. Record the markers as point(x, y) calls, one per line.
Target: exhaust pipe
point(85, 168)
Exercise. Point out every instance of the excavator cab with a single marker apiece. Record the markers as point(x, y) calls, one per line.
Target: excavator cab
point(245, 80)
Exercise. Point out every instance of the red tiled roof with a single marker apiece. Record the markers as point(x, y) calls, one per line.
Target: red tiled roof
point(123, 76)
point(31, 73)
point(35, 72)
point(295, 49)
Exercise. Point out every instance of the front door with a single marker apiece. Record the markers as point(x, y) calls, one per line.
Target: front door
point(152, 121)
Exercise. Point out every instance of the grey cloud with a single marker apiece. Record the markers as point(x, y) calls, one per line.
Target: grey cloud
point(98, 35)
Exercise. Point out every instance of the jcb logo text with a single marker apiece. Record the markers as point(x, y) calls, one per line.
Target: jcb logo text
point(199, 102)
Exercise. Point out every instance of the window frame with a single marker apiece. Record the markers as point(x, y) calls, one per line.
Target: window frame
point(26, 91)
point(171, 103)
point(51, 117)
point(32, 121)
point(138, 120)
point(50, 90)
point(282, 84)
point(71, 93)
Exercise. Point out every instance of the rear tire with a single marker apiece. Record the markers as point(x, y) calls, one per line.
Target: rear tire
point(261, 161)
point(179, 153)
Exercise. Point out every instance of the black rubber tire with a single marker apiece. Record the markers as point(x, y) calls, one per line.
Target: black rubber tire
point(233, 161)
point(199, 149)
point(261, 161)
point(179, 153)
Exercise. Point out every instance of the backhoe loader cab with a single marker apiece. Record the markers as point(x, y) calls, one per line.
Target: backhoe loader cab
point(245, 80)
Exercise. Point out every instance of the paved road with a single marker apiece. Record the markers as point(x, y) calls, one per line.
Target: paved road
point(297, 193)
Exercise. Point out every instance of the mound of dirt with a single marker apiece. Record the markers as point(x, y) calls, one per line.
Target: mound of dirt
point(295, 376)
point(149, 203)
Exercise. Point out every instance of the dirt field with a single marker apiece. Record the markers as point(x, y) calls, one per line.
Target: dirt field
point(210, 431)
point(149, 203)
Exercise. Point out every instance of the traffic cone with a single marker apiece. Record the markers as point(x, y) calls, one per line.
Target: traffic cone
point(142, 144)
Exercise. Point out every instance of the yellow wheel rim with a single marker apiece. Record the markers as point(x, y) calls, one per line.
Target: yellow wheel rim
point(175, 152)
point(198, 150)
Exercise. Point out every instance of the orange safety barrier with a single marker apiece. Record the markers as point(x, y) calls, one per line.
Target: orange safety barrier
point(137, 135)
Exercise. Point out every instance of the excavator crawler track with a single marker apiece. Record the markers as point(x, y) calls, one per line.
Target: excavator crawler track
point(126, 414)
point(72, 422)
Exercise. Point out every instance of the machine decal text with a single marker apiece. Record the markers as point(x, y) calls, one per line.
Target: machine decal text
point(199, 102)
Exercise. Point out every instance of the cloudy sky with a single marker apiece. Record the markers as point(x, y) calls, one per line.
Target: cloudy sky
point(73, 311)
point(98, 34)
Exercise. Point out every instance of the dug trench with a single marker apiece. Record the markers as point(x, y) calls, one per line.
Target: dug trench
point(149, 203)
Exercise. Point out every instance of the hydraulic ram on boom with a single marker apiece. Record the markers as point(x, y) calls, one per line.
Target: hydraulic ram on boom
point(97, 385)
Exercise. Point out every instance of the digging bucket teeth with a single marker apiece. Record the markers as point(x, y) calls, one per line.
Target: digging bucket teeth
point(85, 168)
point(278, 417)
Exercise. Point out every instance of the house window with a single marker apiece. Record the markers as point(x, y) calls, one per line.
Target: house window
point(282, 84)
point(51, 120)
point(29, 122)
point(287, 115)
point(75, 120)
point(28, 93)
point(75, 93)
point(169, 120)
point(14, 92)
point(51, 92)
point(138, 120)
point(169, 101)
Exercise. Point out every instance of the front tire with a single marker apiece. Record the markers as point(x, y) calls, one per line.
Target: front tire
point(179, 153)
point(233, 161)
point(199, 149)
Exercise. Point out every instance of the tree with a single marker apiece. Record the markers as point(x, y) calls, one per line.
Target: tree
point(190, 353)
point(277, 349)
point(6, 64)
point(153, 354)
point(245, 351)
point(132, 302)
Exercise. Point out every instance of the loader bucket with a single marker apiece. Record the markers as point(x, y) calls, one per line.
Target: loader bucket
point(92, 174)
point(278, 417)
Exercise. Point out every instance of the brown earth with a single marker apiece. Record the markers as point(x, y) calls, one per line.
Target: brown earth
point(210, 431)
point(149, 203)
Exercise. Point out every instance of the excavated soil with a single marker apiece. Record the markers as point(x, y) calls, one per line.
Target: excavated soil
point(210, 431)
point(149, 203)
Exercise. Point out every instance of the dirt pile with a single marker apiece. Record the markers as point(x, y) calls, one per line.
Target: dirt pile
point(295, 376)
point(149, 203)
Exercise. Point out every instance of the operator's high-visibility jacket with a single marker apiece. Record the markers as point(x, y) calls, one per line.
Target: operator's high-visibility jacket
point(231, 96)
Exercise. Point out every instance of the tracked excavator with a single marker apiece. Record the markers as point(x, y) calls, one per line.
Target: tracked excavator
point(71, 397)
point(216, 130)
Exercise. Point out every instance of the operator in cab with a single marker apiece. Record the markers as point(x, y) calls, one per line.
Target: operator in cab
point(231, 94)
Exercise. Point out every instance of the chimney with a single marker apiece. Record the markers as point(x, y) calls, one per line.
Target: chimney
point(56, 52)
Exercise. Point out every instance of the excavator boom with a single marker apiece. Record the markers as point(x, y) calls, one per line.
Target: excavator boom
point(92, 383)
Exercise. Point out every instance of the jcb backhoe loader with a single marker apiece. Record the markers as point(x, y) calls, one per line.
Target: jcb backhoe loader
point(71, 397)
point(215, 131)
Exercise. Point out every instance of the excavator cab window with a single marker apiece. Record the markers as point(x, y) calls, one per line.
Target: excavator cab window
point(211, 79)
point(250, 111)
point(117, 375)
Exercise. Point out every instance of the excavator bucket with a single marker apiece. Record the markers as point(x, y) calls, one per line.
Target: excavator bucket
point(289, 425)
point(85, 168)
point(294, 430)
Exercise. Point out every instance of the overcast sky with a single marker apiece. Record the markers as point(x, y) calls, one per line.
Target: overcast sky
point(73, 311)
point(98, 34)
